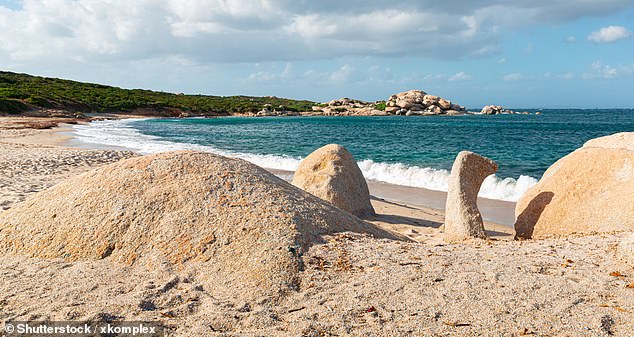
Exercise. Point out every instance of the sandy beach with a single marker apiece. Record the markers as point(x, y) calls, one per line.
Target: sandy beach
point(352, 285)
point(400, 208)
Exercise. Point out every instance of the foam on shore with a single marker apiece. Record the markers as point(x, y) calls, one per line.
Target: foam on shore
point(121, 133)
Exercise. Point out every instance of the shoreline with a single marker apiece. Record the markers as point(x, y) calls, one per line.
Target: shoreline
point(496, 213)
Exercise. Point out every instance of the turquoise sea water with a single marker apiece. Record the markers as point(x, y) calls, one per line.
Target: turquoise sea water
point(411, 151)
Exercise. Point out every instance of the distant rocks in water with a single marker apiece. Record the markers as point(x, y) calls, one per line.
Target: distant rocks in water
point(332, 174)
point(407, 103)
point(418, 102)
point(462, 217)
point(588, 191)
point(492, 110)
point(238, 227)
point(497, 110)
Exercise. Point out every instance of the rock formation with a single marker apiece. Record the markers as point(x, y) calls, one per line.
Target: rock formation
point(418, 102)
point(496, 110)
point(407, 103)
point(492, 110)
point(589, 190)
point(462, 217)
point(332, 174)
point(346, 107)
point(240, 228)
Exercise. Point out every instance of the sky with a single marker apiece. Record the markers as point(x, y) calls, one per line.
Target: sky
point(521, 53)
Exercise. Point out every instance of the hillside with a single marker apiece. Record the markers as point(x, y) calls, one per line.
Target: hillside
point(20, 93)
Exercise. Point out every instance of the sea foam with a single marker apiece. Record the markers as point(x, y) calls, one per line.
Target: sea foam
point(121, 133)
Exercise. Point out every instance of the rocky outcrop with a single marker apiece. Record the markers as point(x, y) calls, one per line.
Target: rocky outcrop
point(418, 102)
point(332, 174)
point(492, 110)
point(462, 217)
point(497, 110)
point(590, 190)
point(407, 103)
point(238, 227)
point(346, 107)
point(268, 111)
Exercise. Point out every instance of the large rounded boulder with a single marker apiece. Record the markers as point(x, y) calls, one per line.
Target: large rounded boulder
point(234, 224)
point(332, 174)
point(588, 191)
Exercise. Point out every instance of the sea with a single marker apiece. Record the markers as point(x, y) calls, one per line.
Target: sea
point(408, 151)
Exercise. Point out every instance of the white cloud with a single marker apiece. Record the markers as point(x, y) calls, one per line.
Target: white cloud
point(529, 48)
point(609, 34)
point(567, 76)
point(263, 76)
point(570, 39)
point(598, 70)
point(434, 77)
point(461, 76)
point(60, 32)
point(514, 77)
point(271, 75)
point(344, 74)
point(502, 60)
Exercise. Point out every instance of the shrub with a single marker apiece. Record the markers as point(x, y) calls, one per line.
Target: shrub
point(12, 106)
point(380, 105)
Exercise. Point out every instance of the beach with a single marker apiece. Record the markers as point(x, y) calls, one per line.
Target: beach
point(316, 168)
point(57, 156)
point(352, 284)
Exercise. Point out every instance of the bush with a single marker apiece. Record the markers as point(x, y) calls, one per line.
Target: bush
point(380, 105)
point(12, 106)
point(40, 102)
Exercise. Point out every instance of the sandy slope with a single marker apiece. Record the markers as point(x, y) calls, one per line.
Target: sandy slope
point(352, 286)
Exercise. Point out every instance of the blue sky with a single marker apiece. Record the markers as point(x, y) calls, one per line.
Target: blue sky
point(519, 53)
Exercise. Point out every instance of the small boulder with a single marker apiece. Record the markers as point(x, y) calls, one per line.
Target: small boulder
point(490, 110)
point(392, 109)
point(331, 173)
point(433, 110)
point(462, 217)
point(430, 100)
point(417, 107)
point(456, 107)
point(444, 104)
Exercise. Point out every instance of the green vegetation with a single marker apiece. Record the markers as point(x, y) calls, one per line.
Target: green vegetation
point(20, 92)
point(12, 106)
point(380, 105)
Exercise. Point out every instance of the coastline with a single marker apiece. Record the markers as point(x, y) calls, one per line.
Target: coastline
point(414, 212)
point(497, 212)
point(493, 210)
